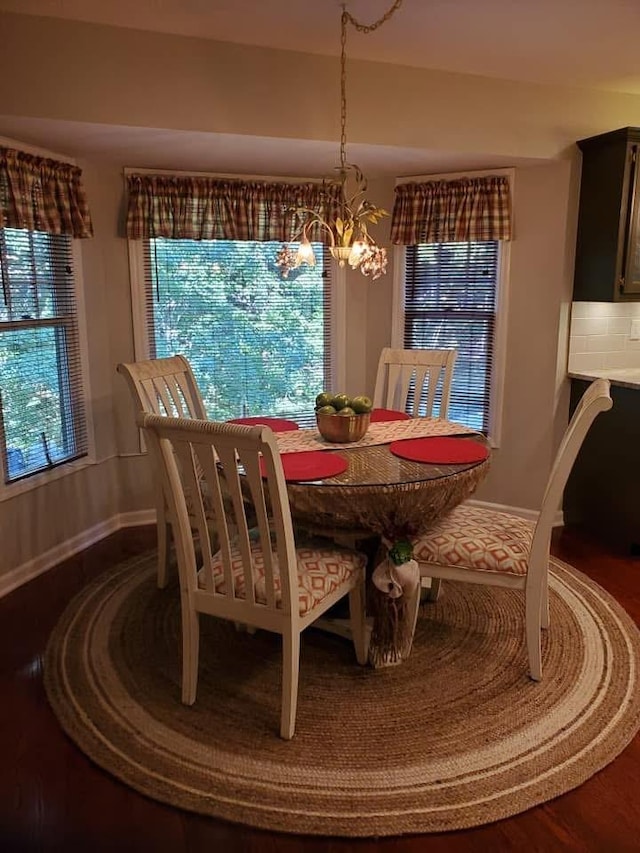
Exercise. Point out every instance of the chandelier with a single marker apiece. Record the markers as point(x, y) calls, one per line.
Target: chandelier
point(347, 229)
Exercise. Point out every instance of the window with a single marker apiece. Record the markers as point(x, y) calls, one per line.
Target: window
point(42, 419)
point(206, 285)
point(450, 292)
point(258, 343)
point(451, 288)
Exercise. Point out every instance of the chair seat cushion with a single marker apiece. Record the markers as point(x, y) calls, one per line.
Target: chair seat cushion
point(321, 570)
point(476, 538)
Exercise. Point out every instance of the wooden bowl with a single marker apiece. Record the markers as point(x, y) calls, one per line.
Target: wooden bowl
point(340, 429)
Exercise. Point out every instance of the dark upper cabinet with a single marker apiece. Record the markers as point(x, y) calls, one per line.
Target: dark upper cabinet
point(608, 244)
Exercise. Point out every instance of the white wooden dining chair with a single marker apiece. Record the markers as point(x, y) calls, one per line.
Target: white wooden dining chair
point(411, 380)
point(258, 577)
point(163, 386)
point(499, 549)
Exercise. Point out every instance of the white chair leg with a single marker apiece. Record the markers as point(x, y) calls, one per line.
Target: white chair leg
point(432, 591)
point(190, 653)
point(532, 622)
point(163, 541)
point(290, 669)
point(544, 604)
point(413, 608)
point(358, 622)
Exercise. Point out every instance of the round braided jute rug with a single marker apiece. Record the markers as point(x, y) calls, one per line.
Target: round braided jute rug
point(456, 736)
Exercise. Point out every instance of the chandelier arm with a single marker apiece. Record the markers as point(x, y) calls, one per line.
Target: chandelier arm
point(315, 218)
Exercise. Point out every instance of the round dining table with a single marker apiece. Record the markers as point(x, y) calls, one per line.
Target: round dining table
point(383, 497)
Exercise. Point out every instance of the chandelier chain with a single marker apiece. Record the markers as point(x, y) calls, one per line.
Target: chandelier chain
point(347, 18)
point(369, 28)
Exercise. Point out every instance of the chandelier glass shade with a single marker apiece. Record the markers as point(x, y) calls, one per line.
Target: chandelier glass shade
point(344, 224)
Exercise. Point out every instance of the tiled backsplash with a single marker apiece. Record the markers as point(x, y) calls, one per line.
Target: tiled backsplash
point(600, 336)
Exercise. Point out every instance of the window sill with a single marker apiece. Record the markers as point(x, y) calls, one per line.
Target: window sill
point(44, 478)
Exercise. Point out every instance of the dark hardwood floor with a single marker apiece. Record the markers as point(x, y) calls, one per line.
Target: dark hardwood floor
point(52, 798)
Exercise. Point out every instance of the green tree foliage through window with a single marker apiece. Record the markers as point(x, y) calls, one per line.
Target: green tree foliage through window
point(259, 343)
point(41, 401)
point(450, 303)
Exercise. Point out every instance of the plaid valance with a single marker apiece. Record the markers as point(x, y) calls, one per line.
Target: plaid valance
point(457, 211)
point(42, 195)
point(200, 208)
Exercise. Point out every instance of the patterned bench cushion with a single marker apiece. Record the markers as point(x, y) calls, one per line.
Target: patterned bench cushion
point(320, 571)
point(476, 538)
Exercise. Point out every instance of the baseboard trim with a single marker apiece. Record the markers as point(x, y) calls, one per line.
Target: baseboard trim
point(529, 514)
point(43, 562)
point(32, 568)
point(140, 518)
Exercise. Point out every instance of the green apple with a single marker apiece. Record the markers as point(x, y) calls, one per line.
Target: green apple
point(361, 404)
point(326, 410)
point(346, 411)
point(340, 401)
point(323, 399)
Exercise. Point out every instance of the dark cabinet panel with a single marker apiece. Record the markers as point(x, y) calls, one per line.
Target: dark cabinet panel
point(608, 242)
point(603, 489)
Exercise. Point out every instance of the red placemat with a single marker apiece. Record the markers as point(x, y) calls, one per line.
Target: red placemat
point(380, 415)
point(447, 451)
point(276, 424)
point(310, 465)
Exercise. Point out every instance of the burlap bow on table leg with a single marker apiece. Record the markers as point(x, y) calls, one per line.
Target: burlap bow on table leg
point(396, 581)
point(395, 599)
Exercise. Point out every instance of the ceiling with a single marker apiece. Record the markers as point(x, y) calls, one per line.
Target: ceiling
point(222, 153)
point(585, 43)
point(591, 43)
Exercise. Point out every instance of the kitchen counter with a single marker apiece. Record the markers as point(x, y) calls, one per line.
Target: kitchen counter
point(627, 377)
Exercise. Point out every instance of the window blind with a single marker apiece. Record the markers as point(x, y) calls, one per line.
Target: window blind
point(42, 418)
point(258, 343)
point(450, 299)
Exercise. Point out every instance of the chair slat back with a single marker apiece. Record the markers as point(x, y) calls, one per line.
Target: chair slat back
point(596, 399)
point(410, 380)
point(164, 386)
point(204, 462)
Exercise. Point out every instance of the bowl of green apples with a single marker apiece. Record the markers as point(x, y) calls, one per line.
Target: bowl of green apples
point(341, 418)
